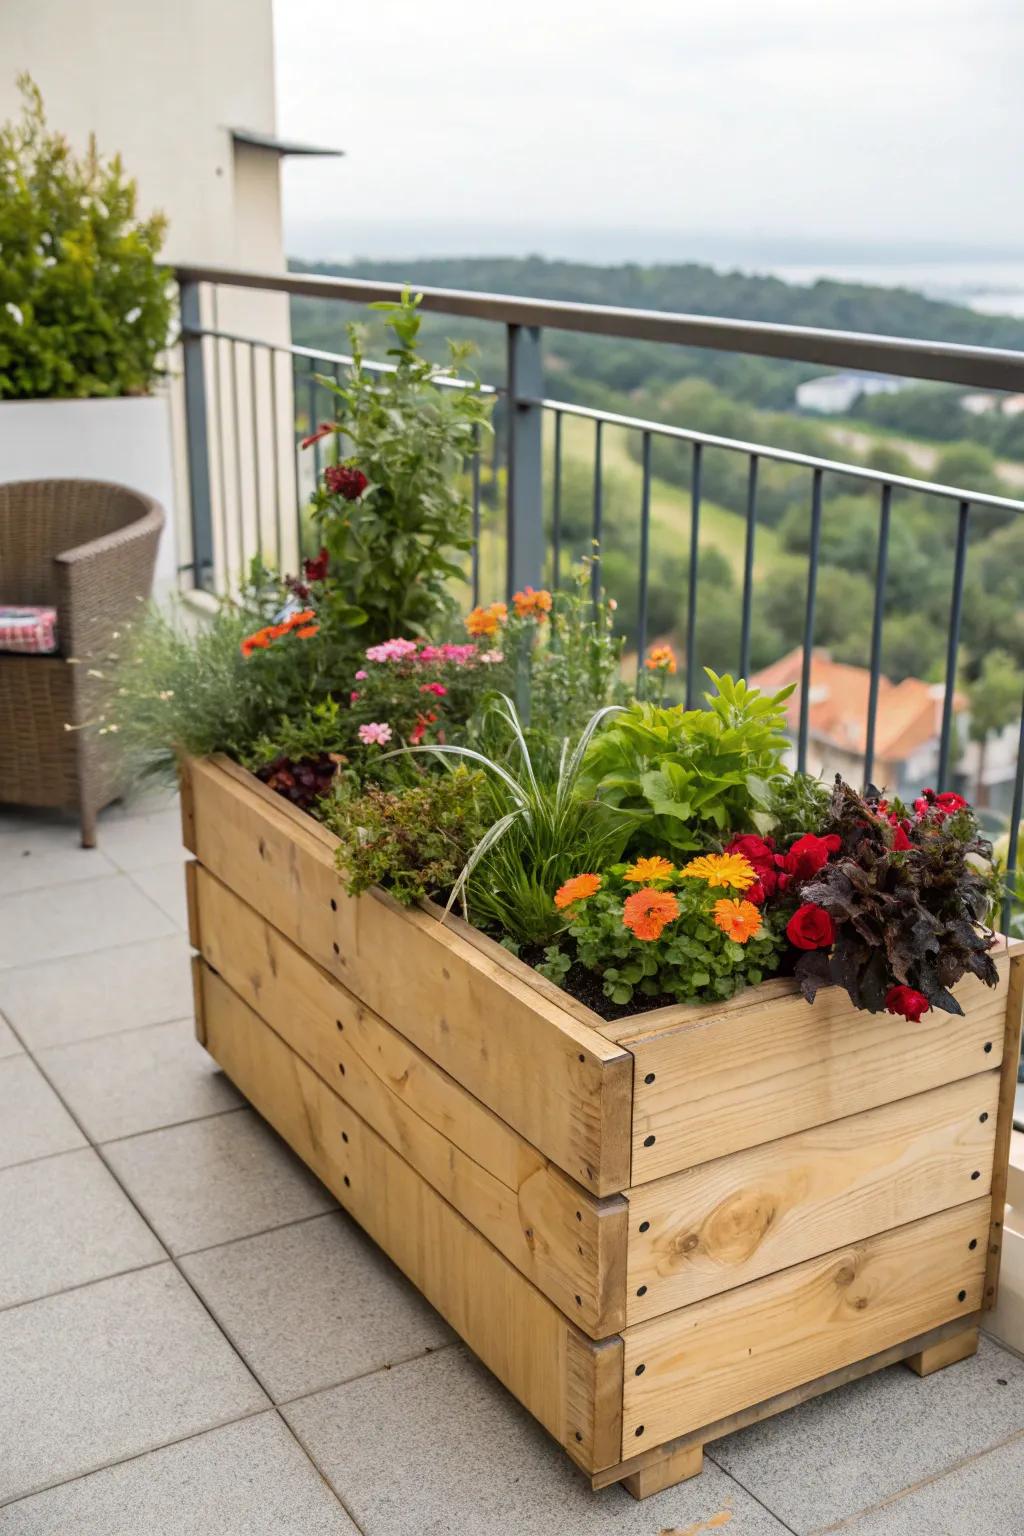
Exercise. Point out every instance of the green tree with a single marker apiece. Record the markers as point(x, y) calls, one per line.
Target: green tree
point(995, 699)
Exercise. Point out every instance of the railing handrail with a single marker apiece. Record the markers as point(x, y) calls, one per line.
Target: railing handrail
point(946, 362)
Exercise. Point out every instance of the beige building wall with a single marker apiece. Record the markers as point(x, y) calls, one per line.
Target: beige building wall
point(163, 82)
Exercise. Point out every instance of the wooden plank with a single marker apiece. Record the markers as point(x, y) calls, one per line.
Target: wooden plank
point(1004, 1129)
point(517, 1333)
point(571, 1244)
point(557, 1081)
point(746, 1345)
point(750, 1075)
point(673, 1467)
point(724, 1223)
point(188, 824)
point(191, 902)
point(950, 1352)
point(1006, 1322)
point(781, 1403)
point(197, 999)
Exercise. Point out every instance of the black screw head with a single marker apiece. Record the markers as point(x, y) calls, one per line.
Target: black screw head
point(579, 1301)
point(579, 1436)
point(348, 1182)
point(961, 1295)
point(976, 1174)
point(649, 1141)
point(641, 1290)
point(983, 1116)
point(579, 1215)
point(988, 1045)
point(649, 1078)
point(334, 905)
point(639, 1370)
point(645, 1226)
point(973, 1243)
point(639, 1431)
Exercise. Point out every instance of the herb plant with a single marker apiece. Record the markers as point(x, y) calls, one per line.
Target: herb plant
point(84, 307)
point(689, 776)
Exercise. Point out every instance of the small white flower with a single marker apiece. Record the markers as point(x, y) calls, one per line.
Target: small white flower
point(44, 238)
point(168, 693)
point(133, 315)
point(15, 314)
point(49, 261)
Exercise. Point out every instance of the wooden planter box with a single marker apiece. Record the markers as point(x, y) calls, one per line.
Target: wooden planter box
point(654, 1231)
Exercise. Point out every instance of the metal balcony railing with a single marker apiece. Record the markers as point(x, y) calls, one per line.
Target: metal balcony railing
point(231, 418)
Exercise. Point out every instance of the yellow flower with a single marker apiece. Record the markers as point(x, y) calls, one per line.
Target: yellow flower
point(739, 919)
point(730, 869)
point(649, 871)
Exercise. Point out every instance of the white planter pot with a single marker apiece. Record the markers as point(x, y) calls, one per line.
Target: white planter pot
point(127, 441)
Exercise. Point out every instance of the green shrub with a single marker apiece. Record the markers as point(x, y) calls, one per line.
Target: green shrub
point(84, 307)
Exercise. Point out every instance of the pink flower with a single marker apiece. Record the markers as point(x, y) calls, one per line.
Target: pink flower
point(431, 653)
point(437, 688)
point(491, 658)
point(392, 650)
point(377, 732)
point(459, 654)
point(361, 675)
point(353, 696)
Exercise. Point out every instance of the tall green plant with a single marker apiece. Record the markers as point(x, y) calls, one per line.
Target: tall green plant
point(688, 776)
point(84, 307)
point(395, 515)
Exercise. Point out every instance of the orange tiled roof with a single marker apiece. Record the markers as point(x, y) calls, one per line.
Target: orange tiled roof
point(909, 713)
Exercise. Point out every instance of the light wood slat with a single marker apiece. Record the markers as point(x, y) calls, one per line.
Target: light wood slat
point(739, 1217)
point(747, 1345)
point(752, 1075)
point(782, 1402)
point(519, 1335)
point(557, 1081)
point(571, 1244)
point(1004, 1131)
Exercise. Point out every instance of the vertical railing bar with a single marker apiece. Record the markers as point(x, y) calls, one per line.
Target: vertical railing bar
point(297, 466)
point(645, 549)
point(696, 473)
point(556, 508)
point(748, 568)
point(597, 524)
point(257, 499)
point(953, 642)
point(275, 427)
point(197, 430)
point(881, 569)
point(311, 397)
point(475, 471)
point(808, 651)
point(1015, 815)
point(239, 506)
point(222, 454)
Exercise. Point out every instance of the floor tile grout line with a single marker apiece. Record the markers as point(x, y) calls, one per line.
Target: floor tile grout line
point(281, 1226)
point(849, 1522)
point(751, 1494)
point(172, 1125)
point(390, 1367)
point(84, 1285)
point(318, 1469)
point(44, 1157)
point(149, 1450)
point(107, 1034)
point(101, 949)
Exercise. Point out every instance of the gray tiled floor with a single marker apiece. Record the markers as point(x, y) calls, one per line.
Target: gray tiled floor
point(169, 1273)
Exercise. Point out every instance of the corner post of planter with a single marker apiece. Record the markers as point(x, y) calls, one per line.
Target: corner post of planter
point(197, 435)
point(525, 511)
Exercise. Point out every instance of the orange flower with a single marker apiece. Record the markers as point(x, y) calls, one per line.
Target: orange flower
point(576, 889)
point(730, 869)
point(257, 642)
point(531, 604)
point(739, 919)
point(648, 911)
point(261, 640)
point(308, 631)
point(487, 621)
point(649, 871)
point(661, 658)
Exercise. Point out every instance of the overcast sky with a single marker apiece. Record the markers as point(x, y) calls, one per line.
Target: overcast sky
point(470, 125)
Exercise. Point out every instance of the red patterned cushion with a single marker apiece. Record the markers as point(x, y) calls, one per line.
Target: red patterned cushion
point(28, 629)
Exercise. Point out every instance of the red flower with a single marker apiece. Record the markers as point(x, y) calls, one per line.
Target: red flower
point(900, 841)
point(946, 804)
point(906, 1000)
point(759, 852)
point(810, 927)
point(807, 855)
point(345, 480)
point(419, 730)
point(323, 430)
point(316, 569)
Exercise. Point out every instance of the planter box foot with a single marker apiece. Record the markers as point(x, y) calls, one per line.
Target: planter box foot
point(674, 1467)
point(937, 1356)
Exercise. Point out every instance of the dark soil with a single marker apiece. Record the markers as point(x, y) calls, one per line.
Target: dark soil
point(587, 988)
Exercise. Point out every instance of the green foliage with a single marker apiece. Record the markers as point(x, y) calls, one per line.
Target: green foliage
point(84, 307)
point(394, 546)
point(911, 917)
point(691, 961)
point(540, 830)
point(414, 841)
point(687, 777)
point(799, 803)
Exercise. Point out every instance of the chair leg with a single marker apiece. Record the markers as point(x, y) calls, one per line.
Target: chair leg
point(87, 819)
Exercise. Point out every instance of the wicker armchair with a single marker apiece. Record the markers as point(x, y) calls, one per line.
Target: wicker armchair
point(88, 549)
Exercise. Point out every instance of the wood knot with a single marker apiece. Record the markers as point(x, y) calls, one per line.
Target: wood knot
point(689, 1243)
point(846, 1275)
